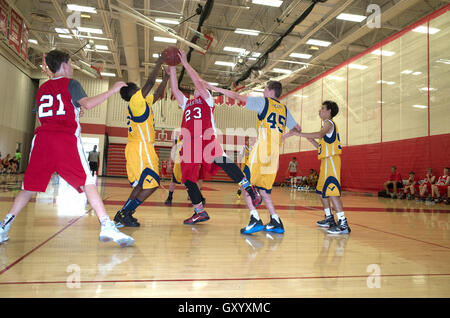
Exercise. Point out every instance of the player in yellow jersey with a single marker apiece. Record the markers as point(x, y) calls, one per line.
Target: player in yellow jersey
point(273, 118)
point(142, 160)
point(329, 183)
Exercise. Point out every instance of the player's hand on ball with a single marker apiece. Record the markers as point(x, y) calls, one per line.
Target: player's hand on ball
point(118, 85)
point(182, 55)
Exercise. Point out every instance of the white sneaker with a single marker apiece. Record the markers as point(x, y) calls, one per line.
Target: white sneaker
point(109, 233)
point(4, 233)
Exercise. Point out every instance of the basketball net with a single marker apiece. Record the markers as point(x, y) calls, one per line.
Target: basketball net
point(98, 69)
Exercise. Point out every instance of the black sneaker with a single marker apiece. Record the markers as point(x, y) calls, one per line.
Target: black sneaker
point(327, 222)
point(168, 201)
point(125, 218)
point(341, 228)
point(253, 226)
point(274, 226)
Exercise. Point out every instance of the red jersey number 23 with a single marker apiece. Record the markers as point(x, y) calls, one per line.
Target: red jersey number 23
point(196, 113)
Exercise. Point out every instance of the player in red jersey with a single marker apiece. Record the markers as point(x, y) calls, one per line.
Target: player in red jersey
point(57, 146)
point(200, 144)
point(441, 187)
point(409, 186)
point(425, 186)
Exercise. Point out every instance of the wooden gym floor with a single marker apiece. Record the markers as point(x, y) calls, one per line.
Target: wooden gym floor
point(396, 248)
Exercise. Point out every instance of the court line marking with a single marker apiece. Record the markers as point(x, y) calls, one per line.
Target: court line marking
point(285, 207)
point(219, 279)
point(71, 222)
point(377, 230)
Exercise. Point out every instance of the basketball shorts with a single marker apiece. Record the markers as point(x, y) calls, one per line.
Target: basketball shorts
point(197, 165)
point(176, 174)
point(93, 166)
point(443, 190)
point(329, 183)
point(203, 174)
point(262, 173)
point(428, 187)
point(142, 165)
point(292, 174)
point(56, 152)
point(399, 185)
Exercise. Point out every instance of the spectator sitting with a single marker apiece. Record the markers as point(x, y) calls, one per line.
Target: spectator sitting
point(410, 186)
point(441, 187)
point(13, 165)
point(425, 186)
point(394, 182)
point(5, 162)
point(313, 178)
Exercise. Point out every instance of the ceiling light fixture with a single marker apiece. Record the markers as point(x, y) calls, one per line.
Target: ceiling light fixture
point(351, 17)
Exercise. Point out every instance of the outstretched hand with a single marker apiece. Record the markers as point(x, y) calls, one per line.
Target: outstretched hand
point(182, 56)
point(118, 85)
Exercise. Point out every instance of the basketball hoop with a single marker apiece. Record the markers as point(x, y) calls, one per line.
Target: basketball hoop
point(202, 40)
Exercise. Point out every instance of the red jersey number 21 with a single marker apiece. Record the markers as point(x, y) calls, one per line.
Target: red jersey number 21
point(45, 109)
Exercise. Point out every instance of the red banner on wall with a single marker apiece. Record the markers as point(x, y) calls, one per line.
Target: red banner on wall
point(4, 14)
point(15, 30)
point(25, 41)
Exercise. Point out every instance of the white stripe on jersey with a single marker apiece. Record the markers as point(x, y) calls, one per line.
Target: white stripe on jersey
point(31, 150)
point(89, 178)
point(332, 165)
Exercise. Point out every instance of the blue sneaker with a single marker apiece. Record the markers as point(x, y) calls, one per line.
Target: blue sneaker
point(253, 226)
point(274, 226)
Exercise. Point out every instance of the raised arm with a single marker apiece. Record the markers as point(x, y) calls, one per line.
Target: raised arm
point(198, 82)
point(162, 86)
point(152, 77)
point(174, 85)
point(91, 102)
point(228, 93)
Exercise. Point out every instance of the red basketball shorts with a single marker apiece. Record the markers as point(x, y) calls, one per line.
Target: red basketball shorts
point(196, 164)
point(56, 152)
point(443, 189)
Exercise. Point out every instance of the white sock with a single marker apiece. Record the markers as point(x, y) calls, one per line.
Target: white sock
point(340, 215)
point(9, 218)
point(275, 217)
point(104, 219)
point(255, 214)
point(327, 212)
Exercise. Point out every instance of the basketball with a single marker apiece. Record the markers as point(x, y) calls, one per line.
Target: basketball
point(171, 56)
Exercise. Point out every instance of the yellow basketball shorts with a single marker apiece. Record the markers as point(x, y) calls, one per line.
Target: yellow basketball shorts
point(261, 174)
point(142, 165)
point(176, 174)
point(329, 183)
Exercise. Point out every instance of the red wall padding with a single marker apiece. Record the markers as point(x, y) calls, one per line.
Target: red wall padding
point(366, 167)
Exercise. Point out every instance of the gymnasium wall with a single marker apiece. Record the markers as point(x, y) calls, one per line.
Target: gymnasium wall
point(394, 106)
point(17, 92)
